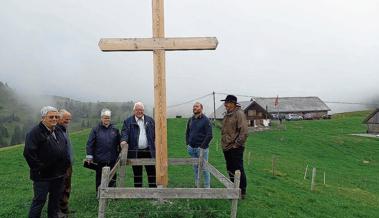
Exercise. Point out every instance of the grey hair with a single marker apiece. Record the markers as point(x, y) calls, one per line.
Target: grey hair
point(138, 104)
point(201, 105)
point(63, 112)
point(105, 112)
point(47, 109)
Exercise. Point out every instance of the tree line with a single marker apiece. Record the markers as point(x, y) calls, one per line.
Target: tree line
point(18, 116)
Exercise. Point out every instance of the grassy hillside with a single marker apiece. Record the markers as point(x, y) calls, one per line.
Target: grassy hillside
point(351, 165)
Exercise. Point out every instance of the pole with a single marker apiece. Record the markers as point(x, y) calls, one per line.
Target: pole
point(214, 106)
point(313, 184)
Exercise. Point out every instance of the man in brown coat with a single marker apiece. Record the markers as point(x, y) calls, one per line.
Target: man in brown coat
point(233, 137)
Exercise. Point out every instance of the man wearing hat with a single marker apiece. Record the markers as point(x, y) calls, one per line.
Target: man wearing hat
point(233, 137)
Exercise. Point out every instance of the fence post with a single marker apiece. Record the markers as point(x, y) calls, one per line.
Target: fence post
point(324, 178)
point(103, 185)
point(305, 173)
point(273, 164)
point(248, 158)
point(313, 184)
point(237, 176)
point(122, 172)
point(200, 167)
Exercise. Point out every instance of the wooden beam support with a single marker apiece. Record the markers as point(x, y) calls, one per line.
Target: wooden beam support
point(160, 104)
point(171, 193)
point(150, 44)
point(171, 161)
point(219, 176)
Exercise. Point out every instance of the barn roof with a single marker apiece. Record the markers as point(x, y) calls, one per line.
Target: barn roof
point(366, 121)
point(286, 105)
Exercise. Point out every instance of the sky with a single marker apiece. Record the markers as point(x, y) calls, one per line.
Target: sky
point(324, 48)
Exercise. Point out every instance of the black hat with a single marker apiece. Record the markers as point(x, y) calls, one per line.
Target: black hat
point(230, 98)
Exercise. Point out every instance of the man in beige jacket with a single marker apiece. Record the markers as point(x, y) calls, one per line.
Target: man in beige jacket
point(233, 137)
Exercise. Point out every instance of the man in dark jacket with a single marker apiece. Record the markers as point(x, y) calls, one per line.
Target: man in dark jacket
point(198, 136)
point(233, 137)
point(46, 153)
point(63, 123)
point(103, 146)
point(138, 132)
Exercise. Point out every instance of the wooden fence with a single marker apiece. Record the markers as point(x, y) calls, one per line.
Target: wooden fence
point(231, 190)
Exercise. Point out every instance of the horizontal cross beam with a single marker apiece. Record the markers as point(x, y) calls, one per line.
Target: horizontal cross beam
point(150, 44)
point(170, 193)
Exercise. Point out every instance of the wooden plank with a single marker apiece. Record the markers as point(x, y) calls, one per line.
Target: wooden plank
point(234, 208)
point(200, 167)
point(171, 161)
point(122, 171)
point(114, 169)
point(219, 176)
point(160, 105)
point(182, 161)
point(101, 189)
point(171, 193)
point(150, 44)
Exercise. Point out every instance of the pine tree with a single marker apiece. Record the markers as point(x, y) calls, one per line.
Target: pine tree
point(17, 136)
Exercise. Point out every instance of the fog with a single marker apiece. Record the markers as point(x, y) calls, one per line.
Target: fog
point(320, 48)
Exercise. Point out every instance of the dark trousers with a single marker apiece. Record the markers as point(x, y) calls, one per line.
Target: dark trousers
point(42, 189)
point(99, 170)
point(150, 170)
point(234, 161)
point(63, 202)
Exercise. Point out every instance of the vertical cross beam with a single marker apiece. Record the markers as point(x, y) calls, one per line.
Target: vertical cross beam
point(160, 111)
point(159, 44)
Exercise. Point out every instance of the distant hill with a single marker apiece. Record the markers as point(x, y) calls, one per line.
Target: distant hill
point(19, 112)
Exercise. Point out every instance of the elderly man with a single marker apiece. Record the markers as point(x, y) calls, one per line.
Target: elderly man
point(47, 155)
point(103, 146)
point(63, 122)
point(198, 136)
point(233, 137)
point(138, 132)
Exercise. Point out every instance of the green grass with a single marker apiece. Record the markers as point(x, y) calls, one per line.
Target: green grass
point(351, 190)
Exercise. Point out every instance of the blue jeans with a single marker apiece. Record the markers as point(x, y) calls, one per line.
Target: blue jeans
point(195, 153)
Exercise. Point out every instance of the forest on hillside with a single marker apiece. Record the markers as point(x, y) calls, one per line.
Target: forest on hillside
point(20, 112)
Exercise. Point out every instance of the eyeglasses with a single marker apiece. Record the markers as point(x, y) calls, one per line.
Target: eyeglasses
point(52, 117)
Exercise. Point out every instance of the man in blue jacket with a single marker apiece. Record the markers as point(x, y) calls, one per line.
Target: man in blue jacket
point(198, 136)
point(46, 153)
point(103, 146)
point(138, 132)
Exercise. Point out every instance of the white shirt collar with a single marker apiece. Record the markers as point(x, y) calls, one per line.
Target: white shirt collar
point(142, 118)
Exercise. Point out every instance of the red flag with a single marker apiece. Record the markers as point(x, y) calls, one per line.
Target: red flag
point(276, 101)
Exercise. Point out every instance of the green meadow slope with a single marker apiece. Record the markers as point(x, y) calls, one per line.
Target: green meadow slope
point(350, 163)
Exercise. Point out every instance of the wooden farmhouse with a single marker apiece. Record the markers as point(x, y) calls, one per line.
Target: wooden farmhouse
point(256, 115)
point(259, 111)
point(372, 122)
point(312, 106)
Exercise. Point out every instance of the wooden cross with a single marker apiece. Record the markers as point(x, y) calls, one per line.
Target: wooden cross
point(159, 44)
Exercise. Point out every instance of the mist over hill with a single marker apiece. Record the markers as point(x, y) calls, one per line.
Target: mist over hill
point(21, 111)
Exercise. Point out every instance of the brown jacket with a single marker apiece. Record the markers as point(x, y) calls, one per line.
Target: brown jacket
point(234, 129)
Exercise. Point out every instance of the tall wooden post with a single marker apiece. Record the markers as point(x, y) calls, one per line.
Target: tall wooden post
point(237, 177)
point(159, 45)
point(103, 185)
point(160, 110)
